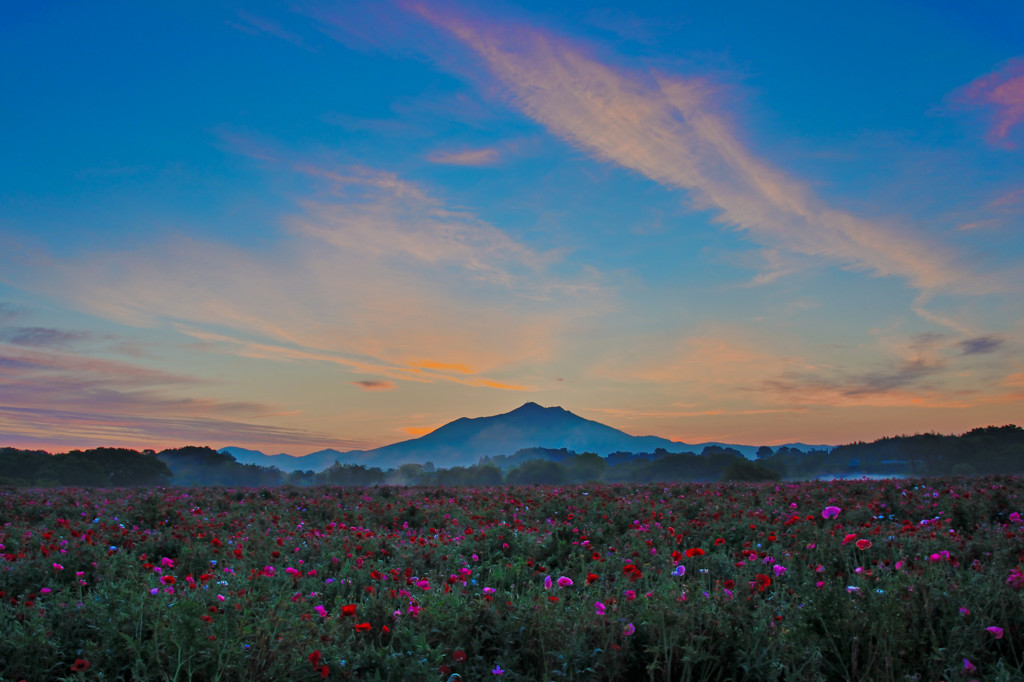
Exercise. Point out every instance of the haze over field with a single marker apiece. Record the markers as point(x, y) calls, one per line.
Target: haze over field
point(345, 224)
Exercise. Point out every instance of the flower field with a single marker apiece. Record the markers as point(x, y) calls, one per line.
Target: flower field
point(873, 580)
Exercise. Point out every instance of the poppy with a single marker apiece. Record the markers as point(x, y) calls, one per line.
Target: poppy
point(459, 656)
point(863, 543)
point(363, 627)
point(80, 665)
point(695, 551)
point(348, 610)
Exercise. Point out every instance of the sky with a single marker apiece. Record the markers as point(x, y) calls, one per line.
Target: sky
point(292, 226)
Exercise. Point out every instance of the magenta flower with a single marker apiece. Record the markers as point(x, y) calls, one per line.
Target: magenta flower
point(830, 512)
point(628, 630)
point(969, 667)
point(497, 670)
point(779, 569)
point(564, 582)
point(320, 611)
point(599, 608)
point(995, 631)
point(489, 590)
point(547, 582)
point(630, 595)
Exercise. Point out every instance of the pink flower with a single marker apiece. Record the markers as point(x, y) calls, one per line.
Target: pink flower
point(969, 667)
point(599, 608)
point(995, 631)
point(628, 630)
point(58, 567)
point(630, 595)
point(830, 512)
point(45, 590)
point(423, 584)
point(849, 538)
point(779, 569)
point(547, 582)
point(320, 611)
point(564, 582)
point(489, 590)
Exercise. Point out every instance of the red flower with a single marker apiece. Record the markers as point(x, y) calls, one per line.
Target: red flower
point(591, 578)
point(80, 665)
point(167, 580)
point(459, 656)
point(324, 672)
point(315, 658)
point(363, 627)
point(695, 551)
point(863, 543)
point(762, 581)
point(719, 541)
point(348, 610)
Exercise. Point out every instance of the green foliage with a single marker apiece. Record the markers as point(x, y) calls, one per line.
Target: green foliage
point(417, 582)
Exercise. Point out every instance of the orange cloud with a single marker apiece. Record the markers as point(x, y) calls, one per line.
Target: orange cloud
point(418, 431)
point(444, 366)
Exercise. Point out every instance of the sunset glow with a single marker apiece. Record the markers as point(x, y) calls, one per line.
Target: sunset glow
point(343, 224)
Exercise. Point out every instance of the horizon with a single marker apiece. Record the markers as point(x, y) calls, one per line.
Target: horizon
point(346, 226)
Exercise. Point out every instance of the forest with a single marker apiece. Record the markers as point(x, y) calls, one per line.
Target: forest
point(981, 451)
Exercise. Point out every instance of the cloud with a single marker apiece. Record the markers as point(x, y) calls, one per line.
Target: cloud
point(54, 399)
point(372, 275)
point(374, 384)
point(981, 345)
point(1001, 94)
point(257, 25)
point(41, 336)
point(54, 428)
point(468, 157)
point(669, 130)
point(9, 312)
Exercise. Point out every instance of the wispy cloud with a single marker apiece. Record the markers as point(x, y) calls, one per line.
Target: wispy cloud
point(373, 275)
point(41, 336)
point(981, 345)
point(669, 129)
point(54, 398)
point(1001, 94)
point(486, 156)
point(374, 384)
point(258, 25)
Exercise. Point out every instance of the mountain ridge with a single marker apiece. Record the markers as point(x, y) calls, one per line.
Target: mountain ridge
point(464, 441)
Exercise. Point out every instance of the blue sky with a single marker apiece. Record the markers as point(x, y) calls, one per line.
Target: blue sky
point(296, 226)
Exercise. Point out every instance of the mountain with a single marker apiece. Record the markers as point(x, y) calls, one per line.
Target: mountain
point(315, 461)
point(464, 441)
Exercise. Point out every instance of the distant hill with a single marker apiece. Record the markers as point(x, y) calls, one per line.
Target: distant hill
point(464, 441)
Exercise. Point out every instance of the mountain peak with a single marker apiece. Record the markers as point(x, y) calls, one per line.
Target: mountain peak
point(532, 407)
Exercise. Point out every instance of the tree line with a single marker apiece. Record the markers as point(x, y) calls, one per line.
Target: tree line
point(988, 450)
